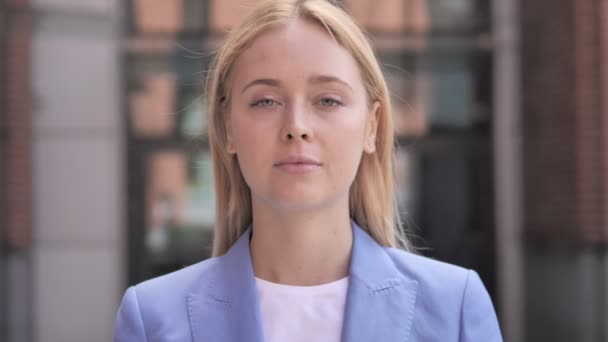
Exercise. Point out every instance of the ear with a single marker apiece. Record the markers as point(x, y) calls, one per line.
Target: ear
point(371, 128)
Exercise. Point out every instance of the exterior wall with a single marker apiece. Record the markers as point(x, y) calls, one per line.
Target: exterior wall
point(77, 169)
point(15, 174)
point(549, 118)
point(564, 292)
point(565, 169)
point(563, 122)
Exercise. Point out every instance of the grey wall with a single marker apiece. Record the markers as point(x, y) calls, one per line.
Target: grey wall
point(78, 169)
point(565, 294)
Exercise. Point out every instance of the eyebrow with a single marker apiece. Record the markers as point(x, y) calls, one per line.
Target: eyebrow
point(315, 79)
point(262, 81)
point(328, 79)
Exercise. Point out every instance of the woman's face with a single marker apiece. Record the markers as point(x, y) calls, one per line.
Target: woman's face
point(299, 118)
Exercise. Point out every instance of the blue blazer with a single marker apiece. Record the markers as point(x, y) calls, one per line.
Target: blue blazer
point(393, 296)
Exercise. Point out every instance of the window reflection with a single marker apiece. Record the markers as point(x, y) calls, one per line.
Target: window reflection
point(152, 105)
point(417, 16)
point(192, 113)
point(451, 84)
point(200, 208)
point(180, 199)
point(434, 90)
point(158, 16)
point(407, 89)
point(451, 14)
point(227, 13)
point(166, 196)
point(389, 15)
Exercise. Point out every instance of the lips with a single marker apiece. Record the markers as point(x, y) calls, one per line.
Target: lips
point(298, 160)
point(298, 164)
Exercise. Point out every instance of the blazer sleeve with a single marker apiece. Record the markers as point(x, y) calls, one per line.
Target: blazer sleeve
point(478, 320)
point(129, 325)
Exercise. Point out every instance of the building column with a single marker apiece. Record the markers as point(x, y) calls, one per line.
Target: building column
point(15, 176)
point(78, 167)
point(508, 167)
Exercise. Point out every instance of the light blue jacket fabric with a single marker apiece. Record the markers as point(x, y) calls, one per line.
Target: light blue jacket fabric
point(393, 296)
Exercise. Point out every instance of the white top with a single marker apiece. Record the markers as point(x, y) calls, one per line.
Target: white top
point(302, 313)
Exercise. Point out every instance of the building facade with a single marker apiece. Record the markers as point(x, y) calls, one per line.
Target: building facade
point(105, 176)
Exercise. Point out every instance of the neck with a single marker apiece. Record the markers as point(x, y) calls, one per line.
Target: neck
point(308, 248)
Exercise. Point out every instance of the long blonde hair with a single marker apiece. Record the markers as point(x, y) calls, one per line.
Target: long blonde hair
point(372, 201)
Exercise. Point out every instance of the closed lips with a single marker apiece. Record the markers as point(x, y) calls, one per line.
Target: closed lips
point(298, 160)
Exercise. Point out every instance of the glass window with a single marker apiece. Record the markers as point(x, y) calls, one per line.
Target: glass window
point(158, 16)
point(194, 15)
point(451, 14)
point(192, 113)
point(200, 211)
point(389, 15)
point(152, 105)
point(407, 90)
point(437, 90)
point(180, 194)
point(171, 206)
point(227, 13)
point(413, 15)
point(180, 207)
point(166, 196)
point(460, 89)
point(451, 85)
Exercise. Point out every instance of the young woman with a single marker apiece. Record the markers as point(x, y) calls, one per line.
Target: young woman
point(308, 243)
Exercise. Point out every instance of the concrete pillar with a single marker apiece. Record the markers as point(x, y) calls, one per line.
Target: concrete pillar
point(78, 169)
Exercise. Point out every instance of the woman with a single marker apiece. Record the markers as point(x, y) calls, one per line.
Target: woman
point(307, 232)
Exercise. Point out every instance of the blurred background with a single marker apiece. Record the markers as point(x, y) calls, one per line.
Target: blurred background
point(105, 176)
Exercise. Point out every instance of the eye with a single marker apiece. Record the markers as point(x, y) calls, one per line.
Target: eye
point(263, 103)
point(329, 102)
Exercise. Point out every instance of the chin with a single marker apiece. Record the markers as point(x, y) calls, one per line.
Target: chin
point(298, 197)
point(299, 202)
point(305, 202)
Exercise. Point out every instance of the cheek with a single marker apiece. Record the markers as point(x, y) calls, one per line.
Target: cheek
point(347, 131)
point(251, 143)
point(345, 146)
point(248, 132)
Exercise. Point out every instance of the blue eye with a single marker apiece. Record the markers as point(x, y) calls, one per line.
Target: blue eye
point(263, 103)
point(329, 102)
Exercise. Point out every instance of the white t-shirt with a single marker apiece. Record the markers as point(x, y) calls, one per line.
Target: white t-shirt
point(302, 313)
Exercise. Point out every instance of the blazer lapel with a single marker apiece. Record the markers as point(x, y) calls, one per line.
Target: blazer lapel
point(226, 307)
point(379, 305)
point(380, 301)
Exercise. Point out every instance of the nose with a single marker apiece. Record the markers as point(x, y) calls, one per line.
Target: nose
point(296, 126)
point(290, 136)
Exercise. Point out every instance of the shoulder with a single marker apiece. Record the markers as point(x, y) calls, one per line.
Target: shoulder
point(432, 275)
point(437, 280)
point(169, 292)
point(440, 284)
point(179, 282)
point(159, 304)
point(445, 292)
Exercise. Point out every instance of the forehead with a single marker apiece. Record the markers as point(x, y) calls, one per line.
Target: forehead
point(294, 52)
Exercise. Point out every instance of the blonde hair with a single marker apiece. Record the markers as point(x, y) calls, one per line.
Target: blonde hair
point(372, 201)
